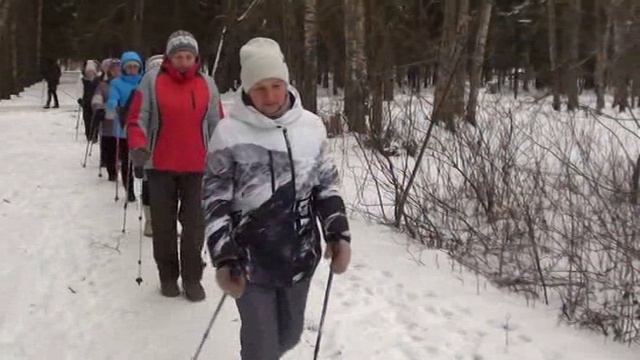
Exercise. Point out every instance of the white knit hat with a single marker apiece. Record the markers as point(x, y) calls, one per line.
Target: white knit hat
point(261, 58)
point(154, 62)
point(91, 66)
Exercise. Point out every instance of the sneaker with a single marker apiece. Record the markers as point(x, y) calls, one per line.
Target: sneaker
point(169, 288)
point(194, 291)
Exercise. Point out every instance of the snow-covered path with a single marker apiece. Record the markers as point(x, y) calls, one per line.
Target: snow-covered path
point(68, 291)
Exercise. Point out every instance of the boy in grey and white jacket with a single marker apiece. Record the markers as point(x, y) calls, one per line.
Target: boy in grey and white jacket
point(269, 178)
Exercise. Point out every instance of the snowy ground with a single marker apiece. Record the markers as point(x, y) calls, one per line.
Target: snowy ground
point(67, 288)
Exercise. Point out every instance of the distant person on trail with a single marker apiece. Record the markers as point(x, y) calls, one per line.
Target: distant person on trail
point(51, 74)
point(120, 91)
point(172, 116)
point(90, 81)
point(110, 70)
point(269, 178)
point(154, 62)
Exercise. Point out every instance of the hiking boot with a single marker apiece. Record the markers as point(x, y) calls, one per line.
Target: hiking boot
point(194, 291)
point(169, 288)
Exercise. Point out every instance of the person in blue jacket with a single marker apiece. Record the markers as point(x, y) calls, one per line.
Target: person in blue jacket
point(119, 93)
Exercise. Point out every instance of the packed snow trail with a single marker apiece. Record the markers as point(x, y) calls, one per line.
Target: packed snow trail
point(68, 290)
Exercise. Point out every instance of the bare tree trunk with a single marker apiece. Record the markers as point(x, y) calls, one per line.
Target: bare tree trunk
point(635, 89)
point(355, 88)
point(389, 78)
point(526, 64)
point(339, 74)
point(603, 32)
point(226, 72)
point(375, 29)
point(553, 53)
point(13, 39)
point(388, 63)
point(137, 21)
point(39, 37)
point(462, 33)
point(571, 30)
point(478, 59)
point(4, 74)
point(309, 89)
point(449, 96)
point(4, 14)
point(621, 10)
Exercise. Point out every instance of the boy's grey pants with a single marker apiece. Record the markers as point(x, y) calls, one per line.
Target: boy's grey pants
point(272, 319)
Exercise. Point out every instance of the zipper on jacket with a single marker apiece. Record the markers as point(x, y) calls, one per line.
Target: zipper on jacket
point(294, 205)
point(193, 99)
point(293, 169)
point(272, 172)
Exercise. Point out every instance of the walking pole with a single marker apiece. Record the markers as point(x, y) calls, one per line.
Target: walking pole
point(206, 333)
point(324, 313)
point(91, 147)
point(86, 153)
point(98, 137)
point(87, 150)
point(117, 165)
point(126, 203)
point(137, 188)
point(78, 121)
point(44, 86)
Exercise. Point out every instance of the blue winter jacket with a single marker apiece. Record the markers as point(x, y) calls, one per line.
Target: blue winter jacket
point(120, 91)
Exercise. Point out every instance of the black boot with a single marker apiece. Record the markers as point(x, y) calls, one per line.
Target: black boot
point(131, 196)
point(169, 288)
point(194, 291)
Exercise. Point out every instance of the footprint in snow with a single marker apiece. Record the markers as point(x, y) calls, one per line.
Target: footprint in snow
point(525, 338)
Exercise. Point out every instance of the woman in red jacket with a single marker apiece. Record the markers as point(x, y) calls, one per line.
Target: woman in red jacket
point(171, 118)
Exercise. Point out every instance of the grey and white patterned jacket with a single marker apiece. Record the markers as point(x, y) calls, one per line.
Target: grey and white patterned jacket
point(267, 182)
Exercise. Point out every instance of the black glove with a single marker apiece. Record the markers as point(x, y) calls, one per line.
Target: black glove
point(139, 156)
point(99, 115)
point(138, 172)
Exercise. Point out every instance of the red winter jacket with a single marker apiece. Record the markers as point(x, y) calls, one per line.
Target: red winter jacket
point(173, 115)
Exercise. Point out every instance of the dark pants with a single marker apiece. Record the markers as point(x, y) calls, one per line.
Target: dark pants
point(167, 190)
point(51, 93)
point(108, 155)
point(90, 129)
point(125, 170)
point(145, 193)
point(272, 320)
